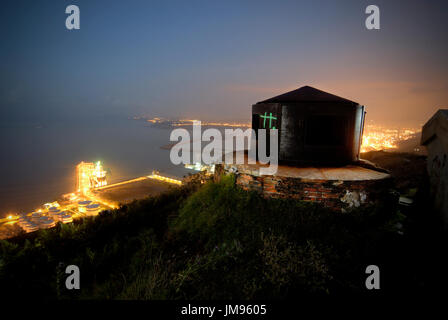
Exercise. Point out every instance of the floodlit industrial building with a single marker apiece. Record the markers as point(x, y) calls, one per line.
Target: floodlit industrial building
point(90, 175)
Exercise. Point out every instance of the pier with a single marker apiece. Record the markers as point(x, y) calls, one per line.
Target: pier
point(93, 195)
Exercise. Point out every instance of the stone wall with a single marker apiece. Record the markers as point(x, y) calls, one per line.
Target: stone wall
point(336, 194)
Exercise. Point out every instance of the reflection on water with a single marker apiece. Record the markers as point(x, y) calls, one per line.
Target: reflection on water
point(38, 162)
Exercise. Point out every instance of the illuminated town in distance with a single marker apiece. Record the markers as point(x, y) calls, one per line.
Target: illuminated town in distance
point(376, 137)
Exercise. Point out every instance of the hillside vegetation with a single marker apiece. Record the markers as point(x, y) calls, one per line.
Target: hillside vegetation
point(214, 241)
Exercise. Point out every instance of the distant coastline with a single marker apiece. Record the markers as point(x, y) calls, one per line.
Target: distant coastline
point(166, 123)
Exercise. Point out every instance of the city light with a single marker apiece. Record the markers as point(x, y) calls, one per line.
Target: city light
point(89, 195)
point(165, 179)
point(189, 122)
point(380, 138)
point(375, 137)
point(90, 175)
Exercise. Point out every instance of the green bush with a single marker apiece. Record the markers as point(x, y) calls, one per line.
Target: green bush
point(214, 241)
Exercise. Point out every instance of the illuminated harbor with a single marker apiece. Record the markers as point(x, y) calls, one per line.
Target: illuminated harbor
point(86, 201)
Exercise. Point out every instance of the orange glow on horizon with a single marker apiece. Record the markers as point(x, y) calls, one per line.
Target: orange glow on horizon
point(377, 138)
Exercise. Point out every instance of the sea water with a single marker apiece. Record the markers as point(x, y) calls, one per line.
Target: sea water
point(37, 161)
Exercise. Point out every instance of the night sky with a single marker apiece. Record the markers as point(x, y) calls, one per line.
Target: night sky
point(214, 59)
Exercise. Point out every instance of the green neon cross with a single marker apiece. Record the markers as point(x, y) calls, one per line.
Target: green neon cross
point(270, 117)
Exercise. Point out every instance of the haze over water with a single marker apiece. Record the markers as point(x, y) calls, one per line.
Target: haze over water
point(39, 163)
point(195, 59)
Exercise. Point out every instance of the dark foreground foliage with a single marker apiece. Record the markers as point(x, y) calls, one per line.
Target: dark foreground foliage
point(216, 242)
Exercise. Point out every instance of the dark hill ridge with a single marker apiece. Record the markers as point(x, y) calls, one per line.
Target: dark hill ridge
point(407, 169)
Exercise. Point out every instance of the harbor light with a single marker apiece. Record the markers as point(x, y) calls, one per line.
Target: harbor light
point(90, 175)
